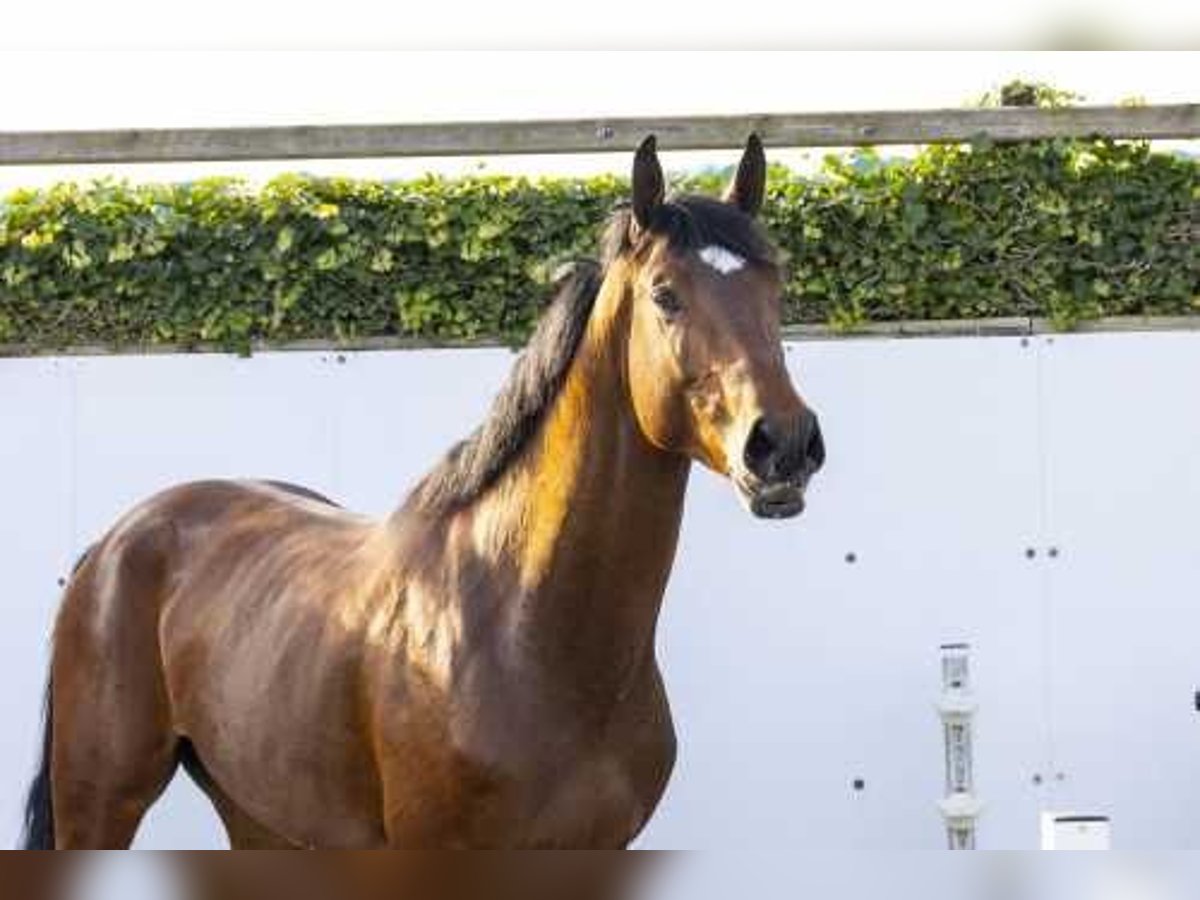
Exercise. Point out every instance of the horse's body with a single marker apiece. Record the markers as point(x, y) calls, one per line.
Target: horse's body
point(477, 670)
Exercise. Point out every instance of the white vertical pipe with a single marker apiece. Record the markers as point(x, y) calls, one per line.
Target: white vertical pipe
point(960, 807)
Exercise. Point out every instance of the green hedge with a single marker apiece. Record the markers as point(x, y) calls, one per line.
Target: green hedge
point(1066, 230)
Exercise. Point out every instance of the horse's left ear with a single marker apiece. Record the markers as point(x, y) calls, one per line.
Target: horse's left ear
point(749, 184)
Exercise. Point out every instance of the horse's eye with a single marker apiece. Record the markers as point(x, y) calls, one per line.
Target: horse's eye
point(666, 300)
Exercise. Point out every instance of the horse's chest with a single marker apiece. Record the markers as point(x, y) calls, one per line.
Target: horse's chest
point(537, 793)
point(590, 790)
point(596, 801)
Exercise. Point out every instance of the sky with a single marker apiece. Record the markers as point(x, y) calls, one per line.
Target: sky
point(390, 24)
point(91, 88)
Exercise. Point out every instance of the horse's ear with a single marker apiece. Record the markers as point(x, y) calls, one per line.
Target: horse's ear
point(748, 185)
point(648, 188)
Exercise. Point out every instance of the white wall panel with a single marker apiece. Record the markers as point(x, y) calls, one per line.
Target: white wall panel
point(792, 671)
point(145, 423)
point(35, 550)
point(1123, 501)
point(397, 413)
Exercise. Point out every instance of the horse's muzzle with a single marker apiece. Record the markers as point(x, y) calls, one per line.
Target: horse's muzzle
point(783, 500)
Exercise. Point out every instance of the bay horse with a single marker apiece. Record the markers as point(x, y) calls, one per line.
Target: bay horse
point(478, 669)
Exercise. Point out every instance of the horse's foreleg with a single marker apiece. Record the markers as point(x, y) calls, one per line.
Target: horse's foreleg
point(243, 831)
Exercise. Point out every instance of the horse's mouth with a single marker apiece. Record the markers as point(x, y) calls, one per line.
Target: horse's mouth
point(783, 500)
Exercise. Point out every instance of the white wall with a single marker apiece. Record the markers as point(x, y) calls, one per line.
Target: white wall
point(792, 672)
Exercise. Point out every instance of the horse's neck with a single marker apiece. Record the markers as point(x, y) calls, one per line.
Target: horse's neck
point(590, 519)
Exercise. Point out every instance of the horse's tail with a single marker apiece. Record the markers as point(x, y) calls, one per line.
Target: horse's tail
point(39, 808)
point(39, 804)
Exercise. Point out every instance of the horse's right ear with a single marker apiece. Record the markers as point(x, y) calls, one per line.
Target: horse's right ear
point(648, 187)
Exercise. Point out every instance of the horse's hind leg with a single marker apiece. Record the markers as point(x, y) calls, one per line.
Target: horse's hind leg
point(113, 746)
point(112, 760)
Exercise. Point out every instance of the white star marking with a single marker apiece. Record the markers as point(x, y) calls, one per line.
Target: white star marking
point(724, 261)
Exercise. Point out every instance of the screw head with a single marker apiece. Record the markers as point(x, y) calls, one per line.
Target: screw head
point(1030, 553)
point(859, 784)
point(851, 558)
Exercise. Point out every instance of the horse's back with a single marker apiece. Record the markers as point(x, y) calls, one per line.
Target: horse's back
point(213, 499)
point(194, 538)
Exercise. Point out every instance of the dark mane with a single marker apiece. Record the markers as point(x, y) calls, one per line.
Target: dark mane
point(475, 464)
point(691, 223)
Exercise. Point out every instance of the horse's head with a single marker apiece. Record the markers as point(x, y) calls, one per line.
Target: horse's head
point(706, 369)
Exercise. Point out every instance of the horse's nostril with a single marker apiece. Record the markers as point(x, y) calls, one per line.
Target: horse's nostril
point(781, 454)
point(760, 449)
point(814, 449)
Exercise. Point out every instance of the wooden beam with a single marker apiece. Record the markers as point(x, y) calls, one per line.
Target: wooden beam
point(841, 129)
point(1016, 326)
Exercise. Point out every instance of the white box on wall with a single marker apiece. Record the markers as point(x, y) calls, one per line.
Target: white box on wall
point(1072, 831)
